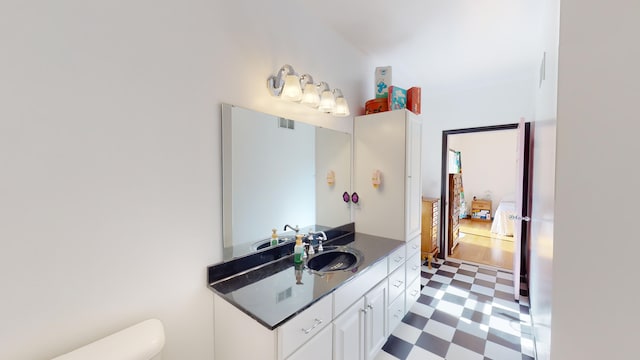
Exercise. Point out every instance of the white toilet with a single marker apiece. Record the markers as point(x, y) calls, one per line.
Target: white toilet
point(142, 341)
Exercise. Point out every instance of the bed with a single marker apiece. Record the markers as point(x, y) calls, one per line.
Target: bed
point(503, 220)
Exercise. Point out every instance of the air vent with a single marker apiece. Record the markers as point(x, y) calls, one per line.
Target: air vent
point(286, 124)
point(283, 295)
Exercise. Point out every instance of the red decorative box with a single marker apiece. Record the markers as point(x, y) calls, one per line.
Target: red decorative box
point(413, 100)
point(376, 105)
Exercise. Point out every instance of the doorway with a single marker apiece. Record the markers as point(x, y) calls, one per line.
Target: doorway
point(484, 241)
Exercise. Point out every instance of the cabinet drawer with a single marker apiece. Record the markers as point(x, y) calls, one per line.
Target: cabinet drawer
point(305, 325)
point(413, 293)
point(395, 314)
point(413, 268)
point(397, 258)
point(348, 293)
point(413, 246)
point(317, 348)
point(397, 282)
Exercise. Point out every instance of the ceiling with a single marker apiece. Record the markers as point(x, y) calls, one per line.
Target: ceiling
point(441, 44)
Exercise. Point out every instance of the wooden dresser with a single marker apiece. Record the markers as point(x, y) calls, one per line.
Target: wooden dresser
point(455, 187)
point(430, 220)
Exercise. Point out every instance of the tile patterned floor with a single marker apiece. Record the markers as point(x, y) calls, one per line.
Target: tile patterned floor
point(465, 312)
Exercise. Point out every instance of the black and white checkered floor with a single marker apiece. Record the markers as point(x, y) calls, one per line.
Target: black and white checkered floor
point(465, 312)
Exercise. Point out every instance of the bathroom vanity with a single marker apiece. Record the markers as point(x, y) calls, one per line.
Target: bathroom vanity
point(267, 307)
point(280, 310)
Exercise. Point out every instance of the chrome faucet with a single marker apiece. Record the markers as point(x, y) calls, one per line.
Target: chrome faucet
point(296, 229)
point(320, 239)
point(324, 236)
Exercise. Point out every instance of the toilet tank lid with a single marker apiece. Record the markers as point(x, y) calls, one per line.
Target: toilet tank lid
point(141, 341)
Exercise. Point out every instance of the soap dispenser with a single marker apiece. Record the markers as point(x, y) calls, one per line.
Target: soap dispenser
point(274, 237)
point(298, 250)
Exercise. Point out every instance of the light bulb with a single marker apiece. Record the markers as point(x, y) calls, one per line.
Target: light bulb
point(291, 89)
point(341, 108)
point(310, 95)
point(327, 101)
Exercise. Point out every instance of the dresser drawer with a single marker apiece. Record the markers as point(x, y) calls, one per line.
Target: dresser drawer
point(397, 258)
point(355, 288)
point(413, 293)
point(413, 246)
point(397, 283)
point(305, 325)
point(413, 268)
point(395, 313)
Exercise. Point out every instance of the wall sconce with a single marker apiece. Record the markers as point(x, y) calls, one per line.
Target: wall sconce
point(376, 179)
point(287, 84)
point(331, 177)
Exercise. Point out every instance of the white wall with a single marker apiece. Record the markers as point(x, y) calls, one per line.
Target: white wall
point(486, 104)
point(594, 313)
point(488, 165)
point(110, 156)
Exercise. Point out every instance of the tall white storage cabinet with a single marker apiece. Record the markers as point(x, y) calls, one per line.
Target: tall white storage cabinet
point(391, 143)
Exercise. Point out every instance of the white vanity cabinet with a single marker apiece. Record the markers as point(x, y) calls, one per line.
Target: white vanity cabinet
point(318, 348)
point(389, 142)
point(413, 268)
point(348, 333)
point(375, 320)
point(360, 332)
point(349, 324)
point(238, 336)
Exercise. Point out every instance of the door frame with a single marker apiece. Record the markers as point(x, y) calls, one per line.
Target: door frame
point(444, 185)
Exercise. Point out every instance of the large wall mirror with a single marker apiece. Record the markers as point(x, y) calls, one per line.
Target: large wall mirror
point(275, 173)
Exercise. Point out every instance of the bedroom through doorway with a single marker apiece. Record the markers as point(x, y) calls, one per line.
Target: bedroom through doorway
point(479, 196)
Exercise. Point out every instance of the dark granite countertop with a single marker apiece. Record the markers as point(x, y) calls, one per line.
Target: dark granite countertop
point(272, 294)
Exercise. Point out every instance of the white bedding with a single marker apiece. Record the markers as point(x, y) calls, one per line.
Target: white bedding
point(503, 220)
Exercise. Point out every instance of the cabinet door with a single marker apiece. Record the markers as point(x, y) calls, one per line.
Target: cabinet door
point(375, 320)
point(318, 348)
point(379, 144)
point(413, 192)
point(348, 333)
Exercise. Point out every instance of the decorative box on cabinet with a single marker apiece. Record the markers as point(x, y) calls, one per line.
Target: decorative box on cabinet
point(430, 219)
point(455, 188)
point(481, 210)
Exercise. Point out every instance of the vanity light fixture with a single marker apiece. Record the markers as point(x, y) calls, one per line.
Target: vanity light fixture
point(310, 96)
point(341, 108)
point(327, 100)
point(287, 84)
point(286, 77)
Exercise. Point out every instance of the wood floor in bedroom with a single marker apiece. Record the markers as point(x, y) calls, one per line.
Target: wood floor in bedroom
point(477, 244)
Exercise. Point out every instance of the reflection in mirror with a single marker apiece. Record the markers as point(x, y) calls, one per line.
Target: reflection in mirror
point(276, 172)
